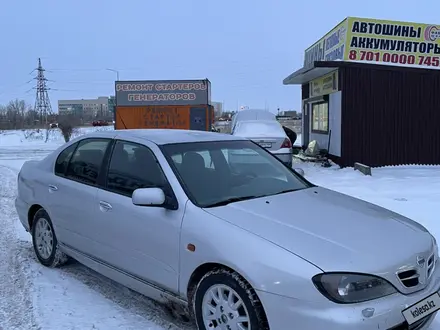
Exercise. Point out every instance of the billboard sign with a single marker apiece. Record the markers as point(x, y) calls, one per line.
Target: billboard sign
point(162, 92)
point(329, 48)
point(379, 42)
point(393, 43)
point(314, 53)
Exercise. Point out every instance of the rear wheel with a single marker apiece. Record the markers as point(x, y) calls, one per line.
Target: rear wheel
point(225, 301)
point(45, 241)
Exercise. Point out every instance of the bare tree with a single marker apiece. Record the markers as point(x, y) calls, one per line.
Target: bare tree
point(18, 106)
point(67, 125)
point(14, 114)
point(3, 121)
point(16, 110)
point(17, 114)
point(31, 118)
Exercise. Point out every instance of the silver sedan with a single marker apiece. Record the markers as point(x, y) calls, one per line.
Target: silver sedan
point(269, 134)
point(216, 227)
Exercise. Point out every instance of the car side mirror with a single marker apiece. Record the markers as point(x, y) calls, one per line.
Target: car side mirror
point(148, 197)
point(300, 171)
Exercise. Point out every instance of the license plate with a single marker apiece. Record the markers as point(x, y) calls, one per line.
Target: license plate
point(422, 309)
point(265, 145)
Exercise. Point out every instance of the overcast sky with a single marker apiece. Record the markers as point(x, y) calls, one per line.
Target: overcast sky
point(245, 47)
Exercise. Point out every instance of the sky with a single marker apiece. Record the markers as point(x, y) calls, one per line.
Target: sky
point(244, 47)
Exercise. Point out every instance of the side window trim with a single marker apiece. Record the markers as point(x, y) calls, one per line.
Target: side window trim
point(104, 186)
point(105, 166)
point(82, 142)
point(106, 169)
point(63, 175)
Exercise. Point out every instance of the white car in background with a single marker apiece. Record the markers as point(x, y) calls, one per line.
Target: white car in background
point(269, 134)
point(252, 114)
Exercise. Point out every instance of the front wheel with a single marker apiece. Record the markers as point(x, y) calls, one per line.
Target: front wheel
point(225, 301)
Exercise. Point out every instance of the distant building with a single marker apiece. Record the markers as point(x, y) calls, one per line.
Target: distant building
point(101, 106)
point(111, 104)
point(289, 113)
point(218, 108)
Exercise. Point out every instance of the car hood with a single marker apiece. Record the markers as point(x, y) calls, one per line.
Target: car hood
point(333, 231)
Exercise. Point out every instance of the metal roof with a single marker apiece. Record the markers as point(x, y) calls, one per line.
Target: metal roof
point(305, 75)
point(321, 68)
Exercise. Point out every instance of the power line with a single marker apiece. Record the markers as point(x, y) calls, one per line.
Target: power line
point(3, 89)
point(42, 102)
point(261, 61)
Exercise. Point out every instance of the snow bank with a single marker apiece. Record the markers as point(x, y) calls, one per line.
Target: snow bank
point(32, 138)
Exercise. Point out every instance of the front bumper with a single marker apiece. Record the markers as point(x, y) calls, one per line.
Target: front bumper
point(287, 313)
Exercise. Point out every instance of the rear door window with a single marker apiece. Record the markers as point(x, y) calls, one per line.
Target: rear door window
point(63, 160)
point(86, 161)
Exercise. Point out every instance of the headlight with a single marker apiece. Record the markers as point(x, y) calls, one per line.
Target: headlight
point(346, 288)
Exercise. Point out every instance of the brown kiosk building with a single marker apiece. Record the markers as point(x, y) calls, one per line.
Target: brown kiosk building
point(371, 93)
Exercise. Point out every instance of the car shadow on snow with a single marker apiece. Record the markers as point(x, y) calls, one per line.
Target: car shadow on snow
point(122, 296)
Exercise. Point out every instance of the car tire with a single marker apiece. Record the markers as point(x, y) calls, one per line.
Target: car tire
point(45, 241)
point(211, 310)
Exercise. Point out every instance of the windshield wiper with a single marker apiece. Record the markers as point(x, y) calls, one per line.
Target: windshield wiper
point(239, 199)
point(231, 200)
point(287, 191)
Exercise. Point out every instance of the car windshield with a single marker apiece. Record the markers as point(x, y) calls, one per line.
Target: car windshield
point(221, 172)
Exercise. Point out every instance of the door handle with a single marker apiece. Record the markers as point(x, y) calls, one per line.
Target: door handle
point(52, 188)
point(104, 206)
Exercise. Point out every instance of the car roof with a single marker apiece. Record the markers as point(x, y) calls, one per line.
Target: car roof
point(250, 114)
point(166, 136)
point(264, 122)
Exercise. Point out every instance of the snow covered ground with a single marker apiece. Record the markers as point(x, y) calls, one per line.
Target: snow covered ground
point(75, 298)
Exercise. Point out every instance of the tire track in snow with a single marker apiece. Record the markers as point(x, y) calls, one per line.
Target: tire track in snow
point(16, 307)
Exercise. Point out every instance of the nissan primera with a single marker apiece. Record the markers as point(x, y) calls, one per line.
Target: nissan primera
point(219, 228)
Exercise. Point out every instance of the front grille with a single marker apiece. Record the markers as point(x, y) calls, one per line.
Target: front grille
point(409, 278)
point(431, 265)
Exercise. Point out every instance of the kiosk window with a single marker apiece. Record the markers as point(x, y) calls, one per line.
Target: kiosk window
point(320, 117)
